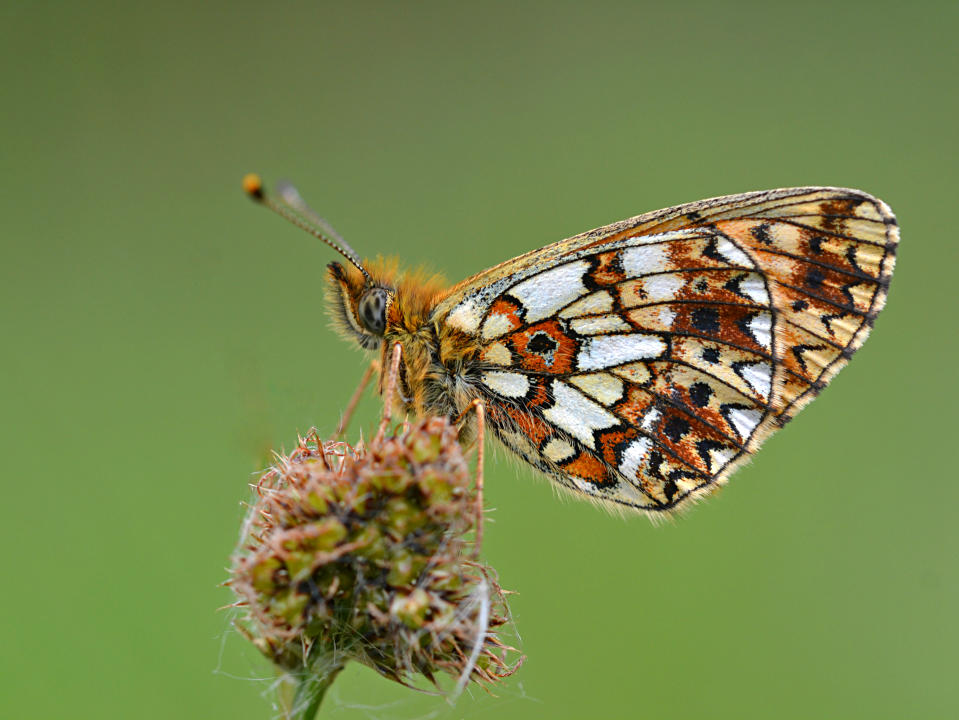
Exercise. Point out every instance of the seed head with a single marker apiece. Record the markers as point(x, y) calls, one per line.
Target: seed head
point(364, 554)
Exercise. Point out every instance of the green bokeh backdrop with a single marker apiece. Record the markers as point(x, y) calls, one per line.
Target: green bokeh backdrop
point(161, 333)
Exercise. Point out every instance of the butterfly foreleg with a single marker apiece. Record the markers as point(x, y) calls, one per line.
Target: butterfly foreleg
point(390, 390)
point(477, 405)
point(355, 400)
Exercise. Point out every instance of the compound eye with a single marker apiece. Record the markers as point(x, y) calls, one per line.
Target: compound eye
point(372, 310)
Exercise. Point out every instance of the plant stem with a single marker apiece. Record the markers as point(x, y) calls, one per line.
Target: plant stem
point(311, 687)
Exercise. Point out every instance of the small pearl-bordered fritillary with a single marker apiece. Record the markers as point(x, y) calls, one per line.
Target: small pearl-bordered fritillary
point(640, 363)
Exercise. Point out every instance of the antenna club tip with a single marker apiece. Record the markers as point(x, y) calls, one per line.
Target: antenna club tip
point(253, 186)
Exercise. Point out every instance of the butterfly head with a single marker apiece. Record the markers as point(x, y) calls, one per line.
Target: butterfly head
point(359, 305)
point(359, 302)
point(366, 300)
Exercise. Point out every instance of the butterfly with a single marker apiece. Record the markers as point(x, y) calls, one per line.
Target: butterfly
point(640, 363)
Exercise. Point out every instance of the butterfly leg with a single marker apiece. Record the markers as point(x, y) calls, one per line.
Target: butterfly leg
point(389, 391)
point(479, 407)
point(355, 400)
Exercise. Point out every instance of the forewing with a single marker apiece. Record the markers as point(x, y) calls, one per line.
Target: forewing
point(640, 362)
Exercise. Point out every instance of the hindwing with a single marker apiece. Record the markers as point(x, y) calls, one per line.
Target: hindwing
point(640, 362)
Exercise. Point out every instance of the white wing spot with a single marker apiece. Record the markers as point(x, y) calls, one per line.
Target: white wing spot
point(583, 485)
point(558, 450)
point(719, 458)
point(663, 287)
point(759, 377)
point(544, 294)
point(651, 418)
point(596, 324)
point(644, 259)
point(496, 324)
point(666, 317)
point(593, 304)
point(576, 414)
point(507, 384)
point(760, 326)
point(754, 288)
point(498, 354)
point(745, 421)
point(732, 253)
point(601, 386)
point(466, 316)
point(633, 456)
point(610, 350)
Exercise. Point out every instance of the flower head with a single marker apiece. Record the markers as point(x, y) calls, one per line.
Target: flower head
point(365, 554)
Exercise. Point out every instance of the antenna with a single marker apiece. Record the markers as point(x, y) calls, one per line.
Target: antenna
point(292, 207)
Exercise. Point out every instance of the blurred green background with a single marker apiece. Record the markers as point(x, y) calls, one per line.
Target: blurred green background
point(161, 333)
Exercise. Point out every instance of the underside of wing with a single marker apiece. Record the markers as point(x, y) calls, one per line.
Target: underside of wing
point(639, 363)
